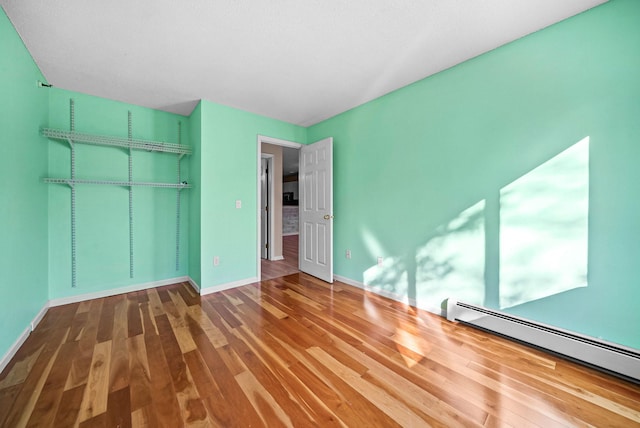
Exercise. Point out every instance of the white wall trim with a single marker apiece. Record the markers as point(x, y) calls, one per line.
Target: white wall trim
point(290, 234)
point(227, 286)
point(271, 203)
point(23, 337)
point(114, 291)
point(194, 284)
point(278, 142)
point(275, 259)
point(389, 295)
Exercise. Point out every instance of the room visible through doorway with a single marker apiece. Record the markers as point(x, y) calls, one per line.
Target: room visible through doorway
point(278, 221)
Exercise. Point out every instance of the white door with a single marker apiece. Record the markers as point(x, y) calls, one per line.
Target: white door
point(316, 209)
point(264, 209)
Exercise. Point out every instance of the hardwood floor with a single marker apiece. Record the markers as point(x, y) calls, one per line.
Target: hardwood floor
point(292, 351)
point(275, 269)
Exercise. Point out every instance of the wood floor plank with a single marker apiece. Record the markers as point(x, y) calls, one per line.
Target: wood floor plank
point(134, 320)
point(220, 413)
point(98, 421)
point(81, 364)
point(119, 408)
point(289, 265)
point(119, 367)
point(8, 396)
point(163, 396)
point(271, 413)
point(154, 302)
point(46, 407)
point(267, 377)
point(94, 402)
point(69, 407)
point(33, 385)
point(105, 326)
point(188, 294)
point(307, 399)
point(226, 382)
point(139, 378)
point(148, 319)
point(395, 409)
point(173, 355)
point(192, 406)
point(290, 351)
point(144, 417)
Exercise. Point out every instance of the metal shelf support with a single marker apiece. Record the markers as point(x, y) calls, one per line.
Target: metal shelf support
point(178, 201)
point(130, 132)
point(72, 127)
point(72, 138)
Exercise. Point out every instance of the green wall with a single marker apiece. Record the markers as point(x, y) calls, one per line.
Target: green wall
point(228, 173)
point(23, 211)
point(410, 165)
point(412, 169)
point(102, 213)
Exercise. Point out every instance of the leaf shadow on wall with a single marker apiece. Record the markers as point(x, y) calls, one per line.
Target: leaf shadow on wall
point(523, 242)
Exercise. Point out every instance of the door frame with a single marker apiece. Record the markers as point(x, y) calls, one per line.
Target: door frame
point(276, 142)
point(269, 159)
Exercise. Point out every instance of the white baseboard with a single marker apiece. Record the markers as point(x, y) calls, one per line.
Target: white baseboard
point(22, 338)
point(194, 285)
point(228, 285)
point(39, 316)
point(115, 291)
point(290, 233)
point(393, 296)
point(276, 258)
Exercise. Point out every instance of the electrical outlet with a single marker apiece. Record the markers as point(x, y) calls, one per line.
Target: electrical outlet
point(348, 254)
point(379, 261)
point(216, 260)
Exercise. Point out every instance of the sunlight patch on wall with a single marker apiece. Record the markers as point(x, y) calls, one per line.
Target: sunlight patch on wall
point(544, 229)
point(452, 263)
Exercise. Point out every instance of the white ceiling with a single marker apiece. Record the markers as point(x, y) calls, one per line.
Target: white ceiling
point(300, 61)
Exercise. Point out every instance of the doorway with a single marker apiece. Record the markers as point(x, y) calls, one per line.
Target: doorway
point(315, 211)
point(278, 254)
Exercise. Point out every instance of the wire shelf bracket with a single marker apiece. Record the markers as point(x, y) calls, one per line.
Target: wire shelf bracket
point(129, 144)
point(125, 143)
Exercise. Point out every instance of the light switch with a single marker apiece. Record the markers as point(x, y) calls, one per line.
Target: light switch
point(238, 203)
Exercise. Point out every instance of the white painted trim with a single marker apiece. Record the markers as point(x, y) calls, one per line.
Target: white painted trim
point(275, 259)
point(38, 317)
point(278, 142)
point(227, 286)
point(23, 337)
point(272, 224)
point(194, 284)
point(114, 291)
point(290, 234)
point(389, 295)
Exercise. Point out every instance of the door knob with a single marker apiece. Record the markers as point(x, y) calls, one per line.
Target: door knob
point(327, 216)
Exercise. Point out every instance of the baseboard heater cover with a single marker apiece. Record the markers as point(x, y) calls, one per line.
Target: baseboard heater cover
point(615, 359)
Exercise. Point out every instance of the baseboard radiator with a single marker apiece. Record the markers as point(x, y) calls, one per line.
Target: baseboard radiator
point(612, 358)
